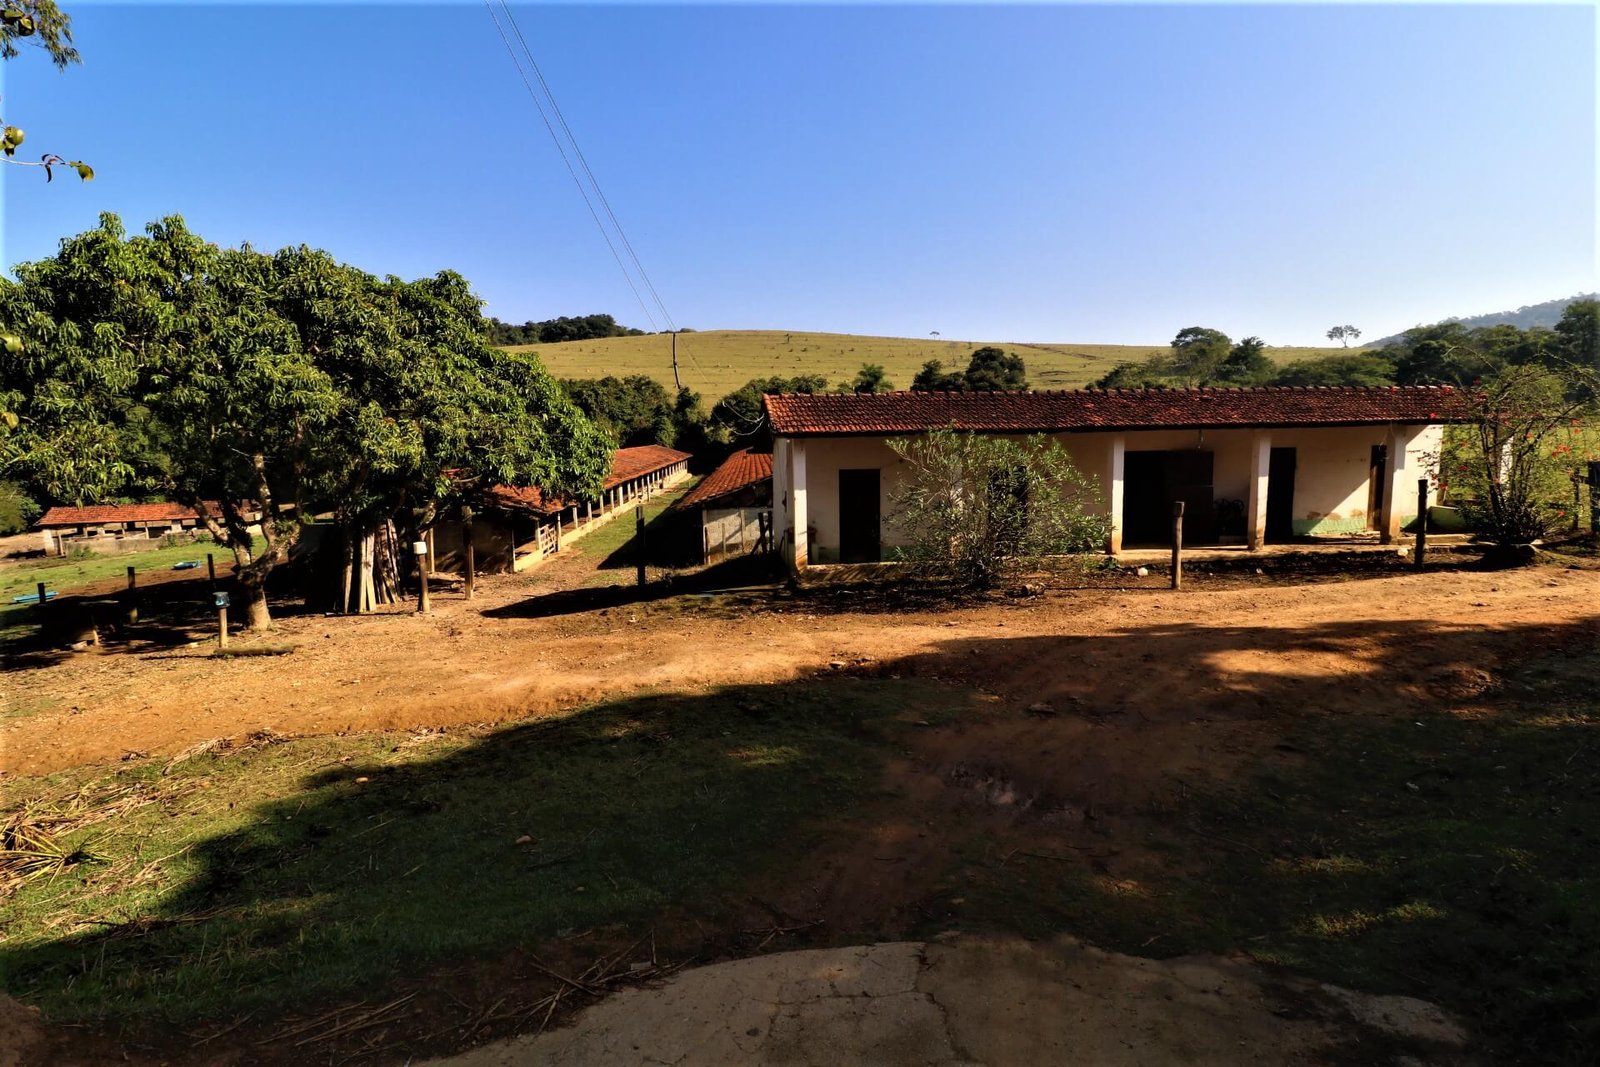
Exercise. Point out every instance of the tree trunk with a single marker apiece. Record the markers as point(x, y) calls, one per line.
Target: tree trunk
point(349, 565)
point(364, 596)
point(257, 618)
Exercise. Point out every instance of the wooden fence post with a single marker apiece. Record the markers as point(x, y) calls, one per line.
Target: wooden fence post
point(222, 621)
point(419, 549)
point(1422, 521)
point(468, 549)
point(211, 570)
point(638, 533)
point(1177, 544)
point(42, 599)
point(132, 612)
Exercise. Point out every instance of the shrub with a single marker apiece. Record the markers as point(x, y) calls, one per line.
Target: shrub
point(978, 509)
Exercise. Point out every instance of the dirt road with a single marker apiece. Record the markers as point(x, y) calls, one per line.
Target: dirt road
point(1210, 651)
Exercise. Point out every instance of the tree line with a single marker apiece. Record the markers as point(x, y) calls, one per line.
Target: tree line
point(1447, 353)
point(638, 410)
point(552, 331)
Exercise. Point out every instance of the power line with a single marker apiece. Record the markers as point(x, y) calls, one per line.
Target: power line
point(584, 163)
point(582, 191)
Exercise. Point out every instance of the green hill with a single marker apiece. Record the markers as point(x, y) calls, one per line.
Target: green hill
point(1523, 318)
point(716, 362)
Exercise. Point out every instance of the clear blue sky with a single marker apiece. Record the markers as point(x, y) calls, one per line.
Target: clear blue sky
point(1092, 174)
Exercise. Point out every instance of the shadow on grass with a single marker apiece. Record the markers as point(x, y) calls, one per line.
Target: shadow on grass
point(1389, 840)
point(418, 850)
point(671, 539)
point(170, 613)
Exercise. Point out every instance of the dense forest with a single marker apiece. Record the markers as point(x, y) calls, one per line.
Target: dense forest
point(565, 328)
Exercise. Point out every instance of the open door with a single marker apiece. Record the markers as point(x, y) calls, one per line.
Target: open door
point(1280, 495)
point(860, 525)
point(1153, 482)
point(1377, 480)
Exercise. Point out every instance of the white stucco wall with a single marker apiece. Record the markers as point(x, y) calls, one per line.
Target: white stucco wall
point(1332, 466)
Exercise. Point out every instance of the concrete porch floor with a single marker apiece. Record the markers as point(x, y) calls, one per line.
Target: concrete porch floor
point(1146, 554)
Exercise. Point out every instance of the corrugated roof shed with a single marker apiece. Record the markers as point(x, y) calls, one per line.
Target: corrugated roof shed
point(800, 414)
point(739, 471)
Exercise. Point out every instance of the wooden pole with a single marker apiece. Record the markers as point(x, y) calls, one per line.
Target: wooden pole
point(1422, 521)
point(41, 598)
point(639, 535)
point(222, 626)
point(468, 550)
point(1177, 544)
point(422, 582)
point(1594, 496)
point(211, 570)
point(132, 612)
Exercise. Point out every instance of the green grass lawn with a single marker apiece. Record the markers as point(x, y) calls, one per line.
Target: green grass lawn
point(716, 362)
point(613, 548)
point(322, 867)
point(63, 574)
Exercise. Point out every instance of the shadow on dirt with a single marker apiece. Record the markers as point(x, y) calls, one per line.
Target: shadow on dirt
point(1424, 824)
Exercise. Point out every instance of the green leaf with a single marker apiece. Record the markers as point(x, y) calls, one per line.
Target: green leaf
point(85, 171)
point(14, 136)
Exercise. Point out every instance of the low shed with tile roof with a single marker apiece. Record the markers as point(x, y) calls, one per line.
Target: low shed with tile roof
point(1252, 466)
point(735, 506)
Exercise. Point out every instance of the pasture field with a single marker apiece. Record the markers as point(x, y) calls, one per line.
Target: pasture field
point(716, 362)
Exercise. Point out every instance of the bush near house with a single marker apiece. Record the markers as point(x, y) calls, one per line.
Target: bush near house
point(980, 508)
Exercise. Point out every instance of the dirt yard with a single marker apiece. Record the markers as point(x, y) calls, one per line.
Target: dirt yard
point(1216, 652)
point(1085, 723)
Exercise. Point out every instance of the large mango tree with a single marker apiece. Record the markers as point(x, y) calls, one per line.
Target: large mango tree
point(265, 389)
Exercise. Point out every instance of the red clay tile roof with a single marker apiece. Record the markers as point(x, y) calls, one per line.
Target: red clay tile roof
point(739, 471)
point(97, 514)
point(800, 414)
point(529, 498)
point(626, 465)
point(630, 463)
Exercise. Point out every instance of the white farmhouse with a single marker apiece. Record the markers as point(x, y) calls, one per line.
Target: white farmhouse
point(1252, 466)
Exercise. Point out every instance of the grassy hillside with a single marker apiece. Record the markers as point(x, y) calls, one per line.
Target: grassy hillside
point(716, 362)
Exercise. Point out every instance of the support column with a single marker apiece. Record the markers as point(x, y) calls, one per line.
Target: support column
point(1114, 481)
point(797, 506)
point(1400, 473)
point(1255, 517)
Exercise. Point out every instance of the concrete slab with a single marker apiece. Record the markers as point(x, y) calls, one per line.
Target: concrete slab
point(971, 1001)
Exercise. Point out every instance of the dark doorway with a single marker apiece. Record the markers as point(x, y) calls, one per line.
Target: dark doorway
point(1152, 482)
point(860, 539)
point(1377, 479)
point(1280, 494)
